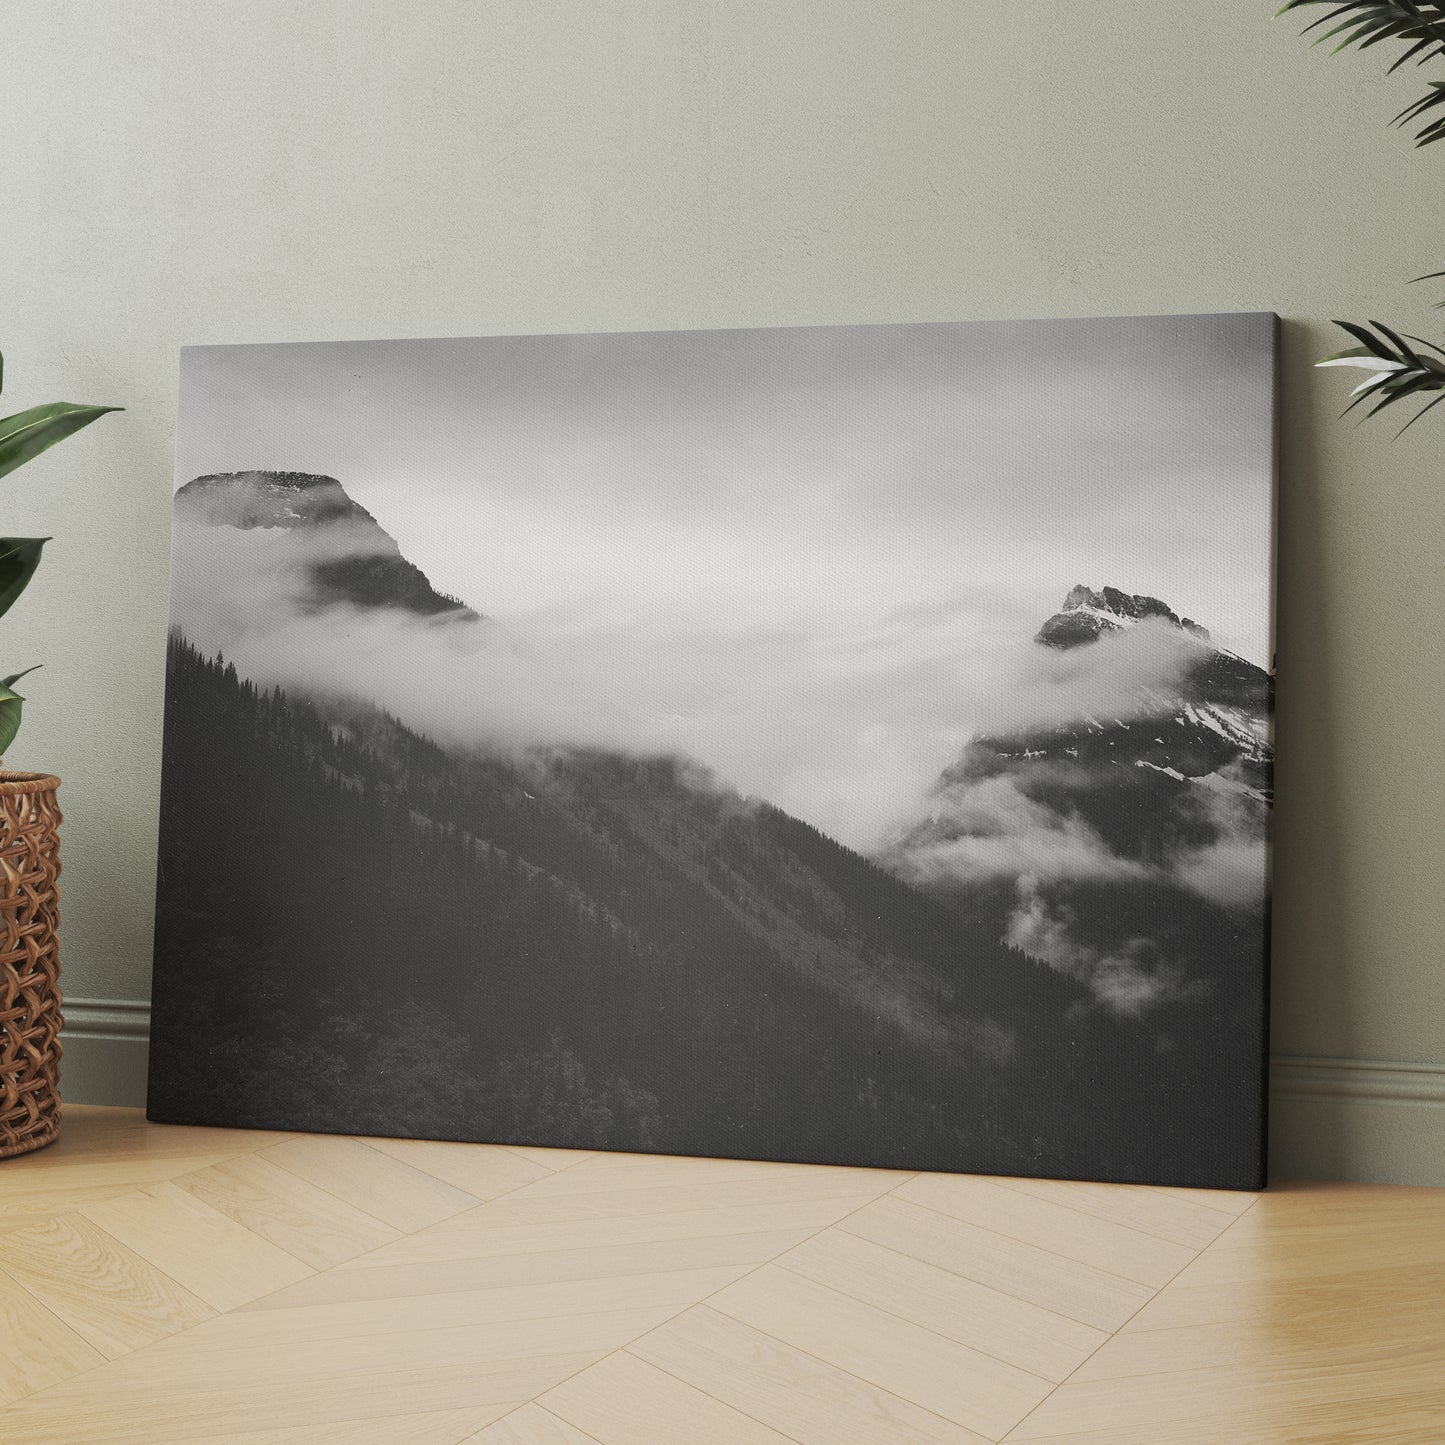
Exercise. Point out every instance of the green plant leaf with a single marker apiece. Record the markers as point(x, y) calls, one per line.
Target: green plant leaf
point(28, 433)
point(1399, 372)
point(19, 557)
point(16, 676)
point(10, 704)
point(1419, 24)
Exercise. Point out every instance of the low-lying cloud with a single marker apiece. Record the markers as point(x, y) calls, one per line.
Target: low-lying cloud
point(1136, 672)
point(1009, 817)
point(1130, 979)
point(990, 828)
point(844, 724)
point(844, 720)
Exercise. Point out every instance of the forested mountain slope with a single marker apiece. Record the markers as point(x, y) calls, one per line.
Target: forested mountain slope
point(581, 948)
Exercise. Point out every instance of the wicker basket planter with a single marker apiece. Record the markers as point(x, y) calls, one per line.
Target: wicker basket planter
point(29, 962)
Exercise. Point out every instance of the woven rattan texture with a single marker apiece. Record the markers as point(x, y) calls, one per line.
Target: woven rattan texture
point(29, 962)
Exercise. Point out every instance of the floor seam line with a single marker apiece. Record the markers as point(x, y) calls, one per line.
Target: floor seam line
point(401, 1234)
point(1044, 1249)
point(1113, 1334)
point(1118, 1224)
point(695, 1304)
point(894, 1315)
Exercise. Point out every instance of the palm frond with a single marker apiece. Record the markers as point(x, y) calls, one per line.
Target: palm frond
point(1398, 371)
point(1419, 24)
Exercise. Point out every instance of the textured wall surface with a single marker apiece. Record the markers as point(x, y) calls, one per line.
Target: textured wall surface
point(246, 170)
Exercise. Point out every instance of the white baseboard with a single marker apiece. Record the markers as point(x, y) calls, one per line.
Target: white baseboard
point(1329, 1118)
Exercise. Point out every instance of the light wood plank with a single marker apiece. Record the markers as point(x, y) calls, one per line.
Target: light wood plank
point(1088, 1238)
point(549, 1159)
point(1403, 1291)
point(93, 1134)
point(399, 1281)
point(1229, 1201)
point(206, 1361)
point(37, 1348)
point(1037, 1340)
point(9, 1223)
point(1417, 1418)
point(1065, 1286)
point(531, 1425)
point(839, 1189)
point(159, 1415)
point(1312, 1314)
point(209, 1254)
point(481, 1170)
point(393, 1192)
point(1155, 1211)
point(961, 1384)
point(286, 1328)
point(106, 1293)
point(478, 1235)
point(604, 1172)
point(796, 1393)
point(1327, 1347)
point(309, 1223)
point(435, 1427)
point(62, 1190)
point(622, 1400)
point(1270, 1387)
point(1315, 1202)
point(1262, 1256)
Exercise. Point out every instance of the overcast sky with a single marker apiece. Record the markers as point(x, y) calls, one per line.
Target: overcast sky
point(813, 559)
point(766, 477)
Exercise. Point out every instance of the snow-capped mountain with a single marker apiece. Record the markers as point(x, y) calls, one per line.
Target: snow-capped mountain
point(1211, 727)
point(1172, 784)
point(342, 552)
point(1087, 615)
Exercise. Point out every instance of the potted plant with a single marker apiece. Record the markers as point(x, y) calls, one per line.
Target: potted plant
point(29, 847)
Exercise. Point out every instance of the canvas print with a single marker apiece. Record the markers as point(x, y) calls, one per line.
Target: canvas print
point(837, 744)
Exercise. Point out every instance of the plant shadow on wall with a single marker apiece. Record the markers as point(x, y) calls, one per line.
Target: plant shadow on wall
point(1401, 365)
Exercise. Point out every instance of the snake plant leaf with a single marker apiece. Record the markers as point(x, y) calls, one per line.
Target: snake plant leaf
point(19, 557)
point(10, 704)
point(28, 433)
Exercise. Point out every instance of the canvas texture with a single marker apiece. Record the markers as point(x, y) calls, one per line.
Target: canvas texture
point(834, 744)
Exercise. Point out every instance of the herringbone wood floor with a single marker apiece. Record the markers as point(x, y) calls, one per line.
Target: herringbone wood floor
point(165, 1284)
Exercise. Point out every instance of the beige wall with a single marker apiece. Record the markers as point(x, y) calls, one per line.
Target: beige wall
point(234, 170)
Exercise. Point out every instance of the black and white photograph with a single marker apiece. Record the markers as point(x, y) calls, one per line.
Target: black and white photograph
point(847, 745)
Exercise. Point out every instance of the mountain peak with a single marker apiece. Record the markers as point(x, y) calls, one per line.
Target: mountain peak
point(268, 499)
point(1086, 615)
point(346, 554)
